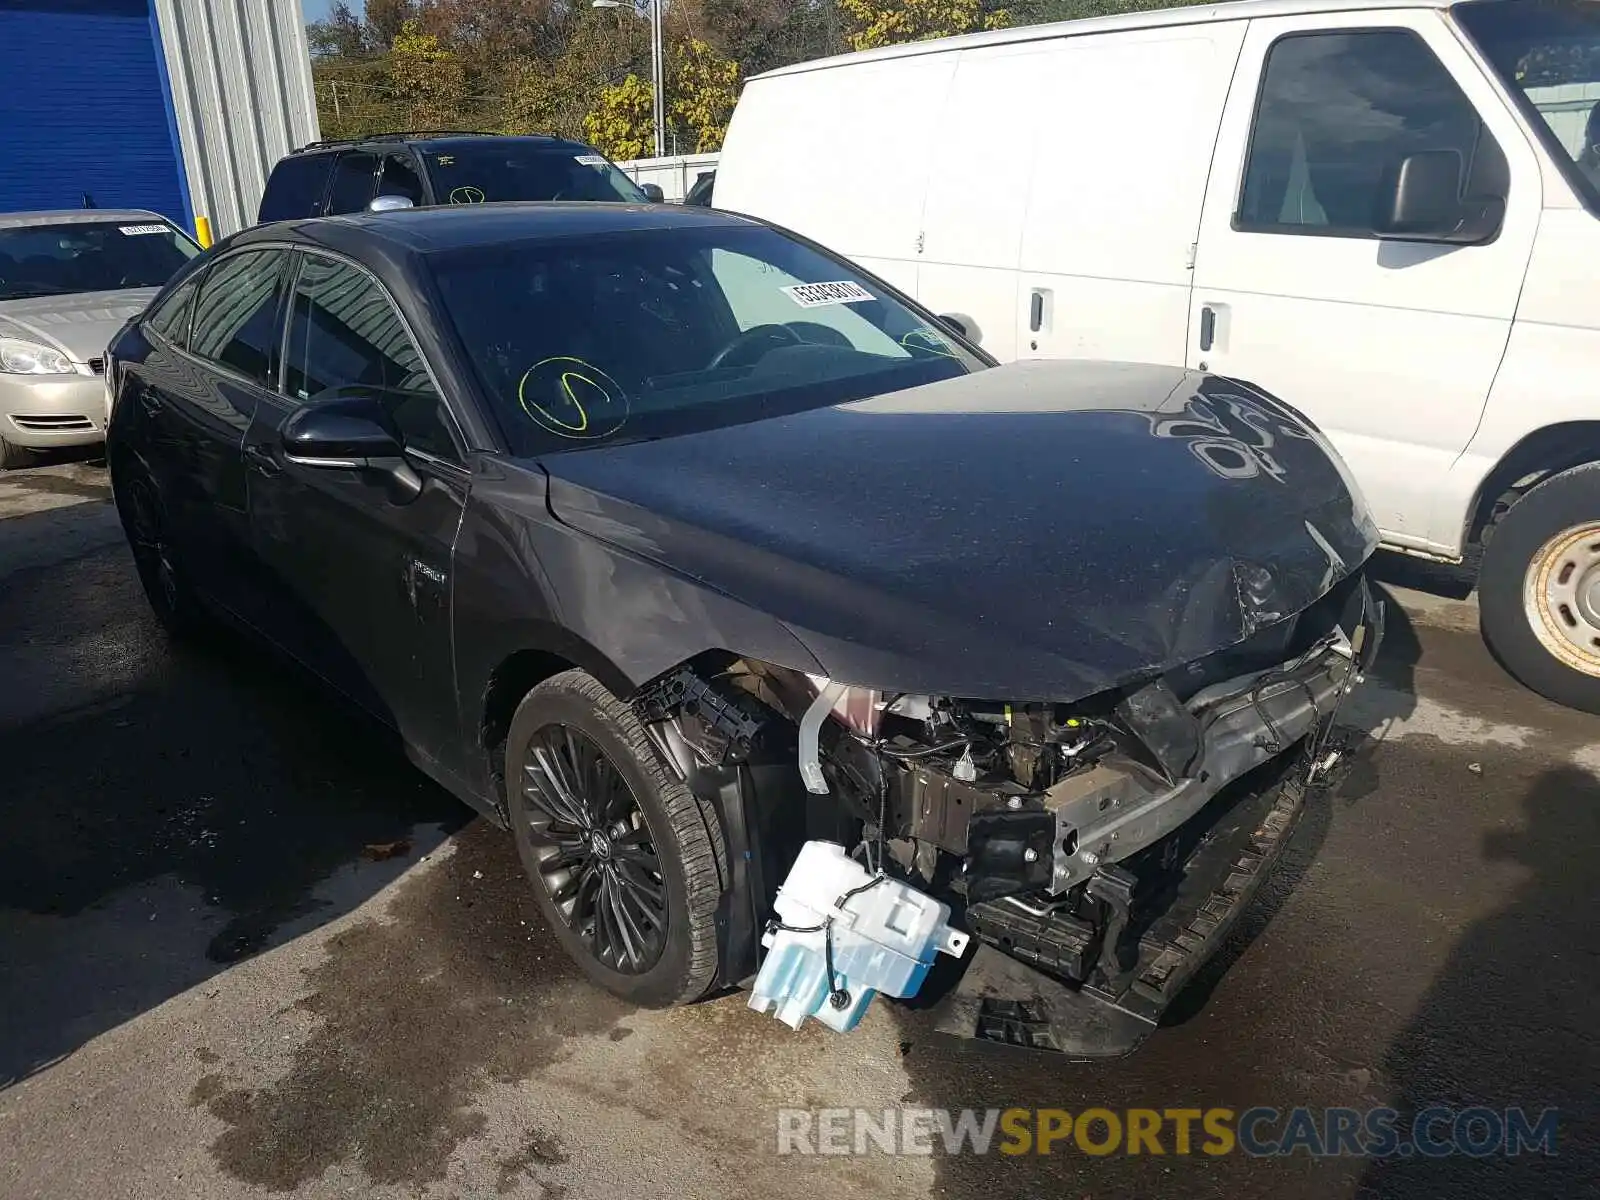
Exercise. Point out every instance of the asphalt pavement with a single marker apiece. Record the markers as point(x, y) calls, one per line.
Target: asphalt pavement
point(247, 949)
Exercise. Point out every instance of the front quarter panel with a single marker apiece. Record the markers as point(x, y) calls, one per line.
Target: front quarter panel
point(524, 581)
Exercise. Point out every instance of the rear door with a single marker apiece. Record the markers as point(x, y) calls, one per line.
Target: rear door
point(1116, 191)
point(209, 368)
point(361, 582)
point(1391, 347)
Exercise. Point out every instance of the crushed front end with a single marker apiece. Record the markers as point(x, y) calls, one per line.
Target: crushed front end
point(1098, 852)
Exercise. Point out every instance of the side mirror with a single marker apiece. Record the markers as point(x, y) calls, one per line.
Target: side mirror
point(653, 193)
point(955, 324)
point(350, 434)
point(1425, 204)
point(389, 204)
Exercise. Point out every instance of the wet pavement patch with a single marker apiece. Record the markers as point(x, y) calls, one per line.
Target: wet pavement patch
point(460, 985)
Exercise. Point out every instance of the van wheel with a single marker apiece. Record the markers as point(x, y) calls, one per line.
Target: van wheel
point(1539, 589)
point(623, 864)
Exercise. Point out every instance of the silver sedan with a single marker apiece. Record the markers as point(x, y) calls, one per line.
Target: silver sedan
point(68, 282)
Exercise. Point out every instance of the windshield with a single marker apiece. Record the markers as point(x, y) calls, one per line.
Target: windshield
point(1548, 51)
point(663, 331)
point(475, 173)
point(55, 260)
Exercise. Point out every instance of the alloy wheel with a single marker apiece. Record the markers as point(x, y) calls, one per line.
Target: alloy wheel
point(595, 855)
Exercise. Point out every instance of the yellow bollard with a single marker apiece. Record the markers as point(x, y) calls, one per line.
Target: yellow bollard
point(202, 232)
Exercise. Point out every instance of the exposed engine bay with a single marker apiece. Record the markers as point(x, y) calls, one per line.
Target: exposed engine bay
point(1060, 833)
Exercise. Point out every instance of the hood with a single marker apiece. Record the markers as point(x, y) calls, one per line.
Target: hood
point(82, 324)
point(1040, 531)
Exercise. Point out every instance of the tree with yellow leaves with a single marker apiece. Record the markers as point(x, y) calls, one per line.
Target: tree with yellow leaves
point(429, 81)
point(621, 122)
point(873, 23)
point(704, 88)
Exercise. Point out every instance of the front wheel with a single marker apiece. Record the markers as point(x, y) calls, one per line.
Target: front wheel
point(1539, 589)
point(622, 860)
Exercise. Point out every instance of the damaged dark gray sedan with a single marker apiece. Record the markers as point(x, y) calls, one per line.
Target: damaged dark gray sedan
point(673, 542)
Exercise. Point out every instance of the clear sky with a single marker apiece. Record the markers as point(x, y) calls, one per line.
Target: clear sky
point(317, 10)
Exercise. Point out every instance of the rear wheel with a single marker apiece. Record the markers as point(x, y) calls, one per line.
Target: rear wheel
point(622, 861)
point(1539, 589)
point(144, 520)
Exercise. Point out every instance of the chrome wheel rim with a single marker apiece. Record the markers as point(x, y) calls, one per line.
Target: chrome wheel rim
point(593, 852)
point(1561, 597)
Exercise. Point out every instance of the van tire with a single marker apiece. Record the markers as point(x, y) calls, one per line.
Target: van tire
point(1551, 645)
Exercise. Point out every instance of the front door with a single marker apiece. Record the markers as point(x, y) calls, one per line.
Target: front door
point(362, 577)
point(1391, 347)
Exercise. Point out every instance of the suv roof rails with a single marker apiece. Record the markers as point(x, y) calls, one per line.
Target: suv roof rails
point(401, 135)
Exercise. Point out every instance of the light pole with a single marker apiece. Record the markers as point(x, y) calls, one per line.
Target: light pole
point(658, 79)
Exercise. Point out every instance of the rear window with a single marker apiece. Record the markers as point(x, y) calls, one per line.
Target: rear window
point(493, 170)
point(295, 188)
point(90, 256)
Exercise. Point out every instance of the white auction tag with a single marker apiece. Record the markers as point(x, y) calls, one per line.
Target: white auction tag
point(136, 230)
point(591, 160)
point(815, 295)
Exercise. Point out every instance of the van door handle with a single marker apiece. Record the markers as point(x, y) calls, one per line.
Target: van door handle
point(1208, 327)
point(1036, 312)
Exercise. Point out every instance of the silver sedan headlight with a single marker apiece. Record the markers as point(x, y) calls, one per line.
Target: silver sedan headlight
point(18, 357)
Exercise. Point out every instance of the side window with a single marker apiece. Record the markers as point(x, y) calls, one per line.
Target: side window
point(295, 187)
point(400, 178)
point(1337, 114)
point(352, 183)
point(344, 333)
point(171, 318)
point(236, 317)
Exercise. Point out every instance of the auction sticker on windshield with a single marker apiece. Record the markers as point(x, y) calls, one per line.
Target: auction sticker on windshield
point(815, 295)
point(135, 230)
point(590, 160)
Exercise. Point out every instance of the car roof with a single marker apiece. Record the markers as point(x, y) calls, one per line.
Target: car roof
point(464, 226)
point(77, 216)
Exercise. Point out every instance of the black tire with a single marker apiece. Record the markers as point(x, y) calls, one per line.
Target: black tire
point(1565, 502)
point(682, 962)
point(144, 521)
point(14, 457)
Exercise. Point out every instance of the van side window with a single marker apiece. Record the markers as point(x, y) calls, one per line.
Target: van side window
point(1337, 114)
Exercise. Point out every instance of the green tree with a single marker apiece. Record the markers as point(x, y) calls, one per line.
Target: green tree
point(872, 23)
point(1038, 12)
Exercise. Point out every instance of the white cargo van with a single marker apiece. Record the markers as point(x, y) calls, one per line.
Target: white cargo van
point(1384, 212)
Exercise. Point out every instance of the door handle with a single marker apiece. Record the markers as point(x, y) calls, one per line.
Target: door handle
point(261, 459)
point(1208, 327)
point(1036, 312)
